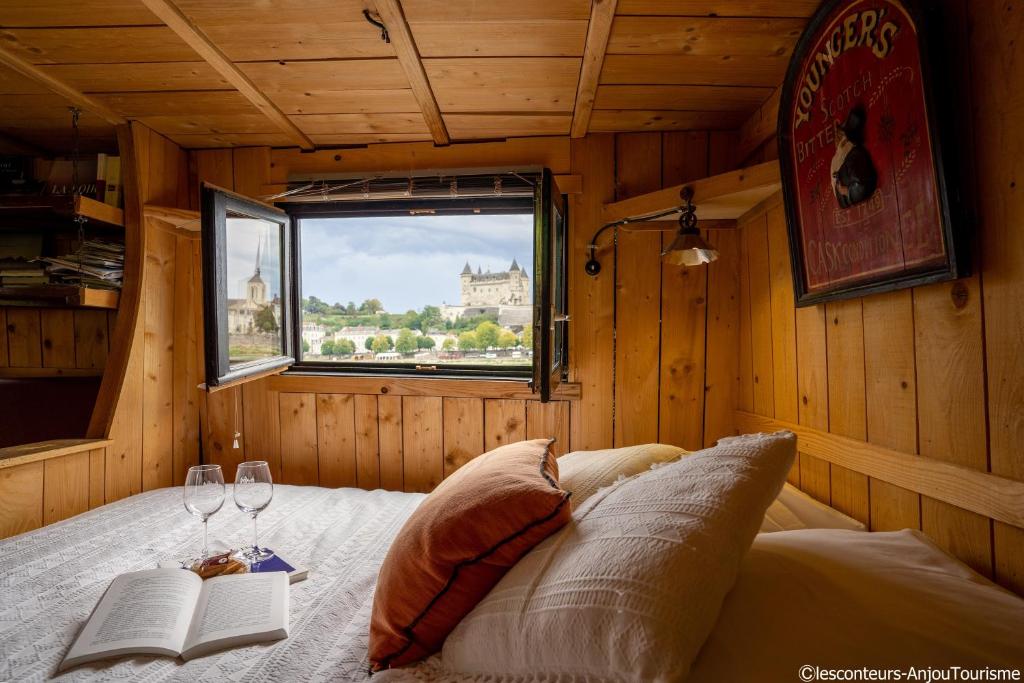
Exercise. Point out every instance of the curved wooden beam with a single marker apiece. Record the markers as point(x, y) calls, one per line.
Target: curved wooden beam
point(130, 306)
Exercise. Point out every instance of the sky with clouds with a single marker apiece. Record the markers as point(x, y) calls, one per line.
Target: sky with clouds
point(407, 262)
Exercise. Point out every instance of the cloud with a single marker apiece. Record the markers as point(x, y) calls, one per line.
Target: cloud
point(407, 261)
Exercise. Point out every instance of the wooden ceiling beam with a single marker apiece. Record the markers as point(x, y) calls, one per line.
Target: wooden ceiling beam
point(602, 14)
point(76, 97)
point(169, 13)
point(759, 128)
point(391, 15)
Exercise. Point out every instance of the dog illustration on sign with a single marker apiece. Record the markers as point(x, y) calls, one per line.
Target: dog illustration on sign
point(854, 177)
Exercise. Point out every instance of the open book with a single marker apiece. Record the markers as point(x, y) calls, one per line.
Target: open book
point(174, 612)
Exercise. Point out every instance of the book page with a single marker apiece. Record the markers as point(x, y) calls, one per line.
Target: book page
point(238, 609)
point(145, 612)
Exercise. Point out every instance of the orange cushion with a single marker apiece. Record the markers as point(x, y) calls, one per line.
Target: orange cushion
point(459, 543)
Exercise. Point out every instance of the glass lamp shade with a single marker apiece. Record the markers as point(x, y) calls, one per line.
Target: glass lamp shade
point(689, 249)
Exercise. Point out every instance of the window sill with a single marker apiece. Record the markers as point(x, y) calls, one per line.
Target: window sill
point(295, 381)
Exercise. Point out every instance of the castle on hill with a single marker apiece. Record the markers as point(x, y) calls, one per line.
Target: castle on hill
point(508, 288)
point(505, 294)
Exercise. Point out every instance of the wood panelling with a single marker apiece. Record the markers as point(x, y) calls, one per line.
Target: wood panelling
point(935, 372)
point(638, 330)
point(463, 431)
point(21, 498)
point(50, 481)
point(465, 66)
point(638, 297)
point(53, 341)
point(932, 373)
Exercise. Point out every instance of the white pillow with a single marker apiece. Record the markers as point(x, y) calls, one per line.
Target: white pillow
point(848, 600)
point(794, 509)
point(632, 586)
point(584, 472)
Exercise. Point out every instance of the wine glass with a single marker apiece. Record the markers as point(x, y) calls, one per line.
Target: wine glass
point(203, 495)
point(254, 489)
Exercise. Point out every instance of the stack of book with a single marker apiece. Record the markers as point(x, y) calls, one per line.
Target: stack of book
point(20, 272)
point(97, 264)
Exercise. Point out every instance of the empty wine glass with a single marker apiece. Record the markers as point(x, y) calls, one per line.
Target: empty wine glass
point(253, 490)
point(203, 495)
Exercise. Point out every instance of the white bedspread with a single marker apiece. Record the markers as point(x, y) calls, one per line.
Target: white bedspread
point(50, 580)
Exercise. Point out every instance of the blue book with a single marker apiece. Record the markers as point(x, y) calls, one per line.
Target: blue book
point(279, 564)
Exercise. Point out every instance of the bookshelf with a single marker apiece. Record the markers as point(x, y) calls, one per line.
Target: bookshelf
point(55, 213)
point(30, 207)
point(61, 296)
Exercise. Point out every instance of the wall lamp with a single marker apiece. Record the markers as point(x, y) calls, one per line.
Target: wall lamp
point(687, 249)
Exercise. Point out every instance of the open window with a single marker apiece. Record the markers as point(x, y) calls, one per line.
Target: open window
point(447, 275)
point(550, 343)
point(246, 279)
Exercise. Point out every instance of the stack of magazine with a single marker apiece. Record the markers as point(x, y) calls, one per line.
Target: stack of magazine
point(97, 264)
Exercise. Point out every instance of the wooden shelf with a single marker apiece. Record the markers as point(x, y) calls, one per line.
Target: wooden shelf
point(59, 296)
point(63, 206)
point(182, 219)
point(722, 197)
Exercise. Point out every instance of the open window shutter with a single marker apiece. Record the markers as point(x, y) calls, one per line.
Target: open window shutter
point(221, 208)
point(550, 319)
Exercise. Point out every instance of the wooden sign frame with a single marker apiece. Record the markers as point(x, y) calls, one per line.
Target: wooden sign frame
point(915, 20)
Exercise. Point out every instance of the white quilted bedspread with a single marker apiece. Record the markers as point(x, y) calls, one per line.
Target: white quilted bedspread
point(51, 578)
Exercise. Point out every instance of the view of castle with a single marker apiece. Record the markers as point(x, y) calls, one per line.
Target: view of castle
point(490, 325)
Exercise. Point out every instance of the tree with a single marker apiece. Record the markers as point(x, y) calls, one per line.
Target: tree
point(265, 320)
point(327, 348)
point(506, 339)
point(467, 341)
point(315, 305)
point(430, 318)
point(527, 337)
point(406, 342)
point(351, 308)
point(344, 347)
point(425, 342)
point(381, 344)
point(386, 321)
point(305, 346)
point(448, 345)
point(368, 343)
point(487, 335)
point(371, 306)
point(409, 319)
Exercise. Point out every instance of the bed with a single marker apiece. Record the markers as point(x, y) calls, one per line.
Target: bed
point(51, 579)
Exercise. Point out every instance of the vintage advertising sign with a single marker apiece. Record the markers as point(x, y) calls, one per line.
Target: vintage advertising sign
point(860, 153)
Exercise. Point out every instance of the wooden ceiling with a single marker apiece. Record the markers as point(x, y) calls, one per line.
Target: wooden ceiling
point(316, 73)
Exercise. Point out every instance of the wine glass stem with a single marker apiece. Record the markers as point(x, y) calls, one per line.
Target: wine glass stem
point(206, 551)
point(255, 537)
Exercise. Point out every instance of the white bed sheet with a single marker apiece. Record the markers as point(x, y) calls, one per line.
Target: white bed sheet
point(51, 578)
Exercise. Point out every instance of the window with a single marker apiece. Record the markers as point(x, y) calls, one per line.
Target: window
point(245, 248)
point(457, 276)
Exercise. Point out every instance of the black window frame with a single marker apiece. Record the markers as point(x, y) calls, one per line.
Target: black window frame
point(542, 374)
point(215, 203)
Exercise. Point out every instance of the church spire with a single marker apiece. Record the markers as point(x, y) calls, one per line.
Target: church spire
point(514, 267)
point(258, 245)
point(467, 270)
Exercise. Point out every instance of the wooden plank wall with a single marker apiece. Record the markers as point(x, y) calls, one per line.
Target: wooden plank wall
point(934, 371)
point(48, 342)
point(47, 491)
point(156, 424)
point(638, 331)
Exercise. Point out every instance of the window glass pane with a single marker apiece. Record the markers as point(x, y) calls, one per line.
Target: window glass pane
point(254, 289)
point(558, 296)
point(418, 290)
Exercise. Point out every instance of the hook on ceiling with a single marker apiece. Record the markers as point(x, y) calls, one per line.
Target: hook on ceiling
point(374, 19)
